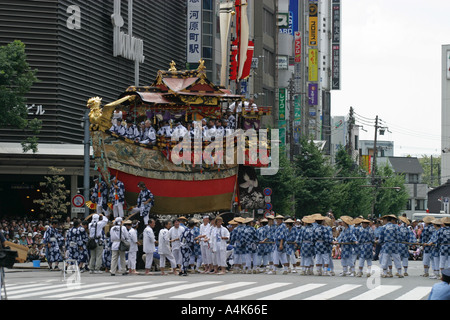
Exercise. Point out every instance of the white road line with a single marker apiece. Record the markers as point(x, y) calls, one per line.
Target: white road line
point(212, 290)
point(109, 288)
point(293, 291)
point(176, 288)
point(334, 292)
point(376, 293)
point(140, 288)
point(60, 288)
point(416, 294)
point(251, 291)
point(23, 287)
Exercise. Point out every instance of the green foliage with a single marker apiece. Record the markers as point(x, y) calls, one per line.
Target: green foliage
point(389, 200)
point(349, 196)
point(16, 80)
point(283, 185)
point(315, 187)
point(54, 199)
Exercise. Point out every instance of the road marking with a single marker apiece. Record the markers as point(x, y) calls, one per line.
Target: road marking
point(110, 288)
point(416, 294)
point(124, 291)
point(153, 294)
point(60, 288)
point(22, 287)
point(376, 292)
point(251, 291)
point(293, 291)
point(334, 292)
point(208, 291)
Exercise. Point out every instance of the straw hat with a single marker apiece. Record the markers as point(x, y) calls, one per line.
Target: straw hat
point(248, 220)
point(316, 216)
point(279, 216)
point(437, 221)
point(428, 219)
point(328, 221)
point(239, 220)
point(346, 219)
point(446, 220)
point(389, 216)
point(264, 220)
point(183, 218)
point(289, 221)
point(404, 219)
point(365, 221)
point(357, 220)
point(270, 217)
point(127, 222)
point(232, 222)
point(307, 219)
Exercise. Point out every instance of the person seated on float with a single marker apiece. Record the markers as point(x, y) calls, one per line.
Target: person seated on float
point(149, 135)
point(210, 132)
point(132, 131)
point(250, 105)
point(227, 129)
point(220, 129)
point(165, 130)
point(180, 131)
point(118, 128)
point(231, 119)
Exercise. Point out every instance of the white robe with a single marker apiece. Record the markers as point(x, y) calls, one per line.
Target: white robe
point(149, 241)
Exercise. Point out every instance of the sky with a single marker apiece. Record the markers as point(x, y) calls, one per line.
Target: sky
point(391, 68)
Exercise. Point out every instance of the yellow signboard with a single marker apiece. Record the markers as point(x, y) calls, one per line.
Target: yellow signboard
point(313, 25)
point(313, 65)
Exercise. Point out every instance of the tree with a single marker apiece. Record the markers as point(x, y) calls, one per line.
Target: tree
point(283, 184)
point(54, 201)
point(314, 186)
point(388, 199)
point(16, 80)
point(348, 196)
point(431, 166)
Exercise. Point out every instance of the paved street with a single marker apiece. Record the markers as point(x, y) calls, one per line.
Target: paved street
point(40, 284)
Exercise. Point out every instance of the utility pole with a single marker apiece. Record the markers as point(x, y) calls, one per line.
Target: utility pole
point(374, 167)
point(291, 90)
point(351, 124)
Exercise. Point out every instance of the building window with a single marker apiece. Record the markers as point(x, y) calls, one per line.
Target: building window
point(269, 23)
point(413, 178)
point(269, 62)
point(408, 205)
point(420, 205)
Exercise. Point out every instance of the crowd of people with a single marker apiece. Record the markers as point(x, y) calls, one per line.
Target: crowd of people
point(308, 246)
point(147, 133)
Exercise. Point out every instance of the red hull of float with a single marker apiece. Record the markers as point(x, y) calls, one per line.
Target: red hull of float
point(181, 197)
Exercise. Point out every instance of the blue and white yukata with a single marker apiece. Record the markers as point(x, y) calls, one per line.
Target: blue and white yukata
point(107, 253)
point(237, 240)
point(252, 241)
point(366, 240)
point(100, 196)
point(305, 239)
point(196, 254)
point(434, 254)
point(443, 241)
point(187, 247)
point(261, 250)
point(53, 252)
point(291, 246)
point(406, 235)
point(76, 245)
point(141, 207)
point(117, 197)
point(118, 129)
point(389, 238)
point(347, 239)
point(425, 237)
point(322, 239)
point(132, 132)
point(281, 234)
